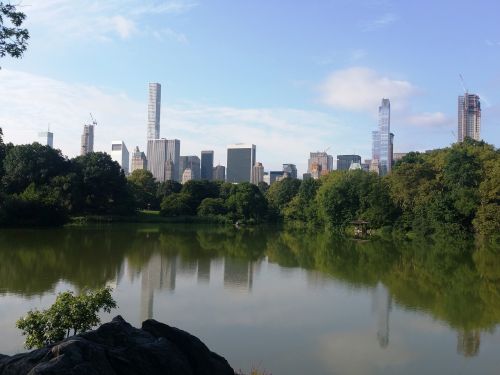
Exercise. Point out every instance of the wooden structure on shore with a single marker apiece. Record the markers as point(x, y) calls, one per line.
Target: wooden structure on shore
point(361, 228)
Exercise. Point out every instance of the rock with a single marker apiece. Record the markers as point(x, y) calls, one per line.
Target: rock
point(117, 348)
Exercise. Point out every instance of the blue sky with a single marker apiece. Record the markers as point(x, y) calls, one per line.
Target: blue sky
point(288, 76)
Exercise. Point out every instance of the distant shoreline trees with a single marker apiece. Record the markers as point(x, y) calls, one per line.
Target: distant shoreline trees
point(451, 189)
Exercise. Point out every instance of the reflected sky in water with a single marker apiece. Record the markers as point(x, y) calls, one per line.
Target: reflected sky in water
point(287, 302)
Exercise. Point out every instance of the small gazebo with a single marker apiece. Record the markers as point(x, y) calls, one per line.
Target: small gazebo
point(360, 228)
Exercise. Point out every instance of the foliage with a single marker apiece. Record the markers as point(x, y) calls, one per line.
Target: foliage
point(247, 202)
point(144, 188)
point(166, 188)
point(176, 204)
point(104, 186)
point(212, 207)
point(26, 164)
point(13, 38)
point(70, 314)
point(282, 192)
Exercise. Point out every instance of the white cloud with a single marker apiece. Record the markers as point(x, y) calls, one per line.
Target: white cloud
point(123, 26)
point(282, 135)
point(380, 22)
point(428, 119)
point(168, 33)
point(361, 89)
point(67, 20)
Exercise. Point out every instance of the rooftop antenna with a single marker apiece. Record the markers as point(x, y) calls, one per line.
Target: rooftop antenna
point(463, 83)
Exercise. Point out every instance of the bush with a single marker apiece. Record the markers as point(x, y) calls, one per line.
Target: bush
point(68, 315)
point(176, 204)
point(211, 207)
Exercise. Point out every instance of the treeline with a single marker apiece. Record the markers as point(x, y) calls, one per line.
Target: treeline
point(455, 189)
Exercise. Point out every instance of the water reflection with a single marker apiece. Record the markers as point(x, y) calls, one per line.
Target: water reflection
point(382, 302)
point(454, 281)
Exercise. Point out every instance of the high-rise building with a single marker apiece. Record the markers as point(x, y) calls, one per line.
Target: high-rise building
point(87, 139)
point(193, 163)
point(240, 160)
point(159, 152)
point(382, 139)
point(305, 176)
point(154, 109)
point(275, 176)
point(174, 154)
point(119, 153)
point(139, 160)
point(344, 161)
point(207, 164)
point(219, 173)
point(187, 175)
point(291, 169)
point(46, 138)
point(469, 117)
point(319, 163)
point(258, 173)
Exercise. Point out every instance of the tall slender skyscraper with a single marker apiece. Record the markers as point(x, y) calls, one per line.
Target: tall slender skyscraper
point(469, 117)
point(383, 139)
point(154, 108)
point(46, 138)
point(207, 164)
point(87, 139)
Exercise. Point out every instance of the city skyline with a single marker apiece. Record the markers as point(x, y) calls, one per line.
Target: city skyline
point(287, 103)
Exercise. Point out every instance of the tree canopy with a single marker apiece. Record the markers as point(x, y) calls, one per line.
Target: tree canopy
point(13, 37)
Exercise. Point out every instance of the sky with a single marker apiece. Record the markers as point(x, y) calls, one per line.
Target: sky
point(291, 77)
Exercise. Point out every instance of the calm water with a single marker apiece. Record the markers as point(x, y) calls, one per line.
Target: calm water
point(287, 302)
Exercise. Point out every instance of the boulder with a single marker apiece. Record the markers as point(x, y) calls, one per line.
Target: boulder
point(117, 348)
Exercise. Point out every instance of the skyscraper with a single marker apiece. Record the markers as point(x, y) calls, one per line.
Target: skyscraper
point(382, 139)
point(320, 163)
point(469, 117)
point(119, 153)
point(219, 173)
point(240, 160)
point(207, 164)
point(258, 173)
point(290, 169)
point(191, 162)
point(161, 151)
point(344, 161)
point(154, 109)
point(46, 138)
point(87, 139)
point(139, 160)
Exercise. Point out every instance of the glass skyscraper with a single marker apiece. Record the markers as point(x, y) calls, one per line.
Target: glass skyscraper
point(469, 117)
point(383, 139)
point(207, 164)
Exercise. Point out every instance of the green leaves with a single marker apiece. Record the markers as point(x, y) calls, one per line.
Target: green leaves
point(69, 315)
point(13, 38)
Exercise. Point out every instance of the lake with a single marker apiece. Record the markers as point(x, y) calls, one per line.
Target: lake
point(289, 302)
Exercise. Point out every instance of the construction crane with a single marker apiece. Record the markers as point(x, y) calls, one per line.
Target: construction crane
point(463, 83)
point(94, 122)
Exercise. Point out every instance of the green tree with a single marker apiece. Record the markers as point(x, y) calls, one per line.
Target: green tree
point(197, 190)
point(104, 186)
point(282, 192)
point(247, 202)
point(69, 315)
point(144, 188)
point(34, 163)
point(212, 207)
point(166, 188)
point(13, 38)
point(176, 204)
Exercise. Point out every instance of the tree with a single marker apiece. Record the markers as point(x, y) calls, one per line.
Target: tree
point(197, 190)
point(176, 204)
point(247, 202)
point(69, 315)
point(282, 192)
point(104, 186)
point(144, 188)
point(166, 188)
point(13, 38)
point(34, 163)
point(211, 207)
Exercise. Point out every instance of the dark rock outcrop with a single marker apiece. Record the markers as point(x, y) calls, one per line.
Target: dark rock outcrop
point(118, 348)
